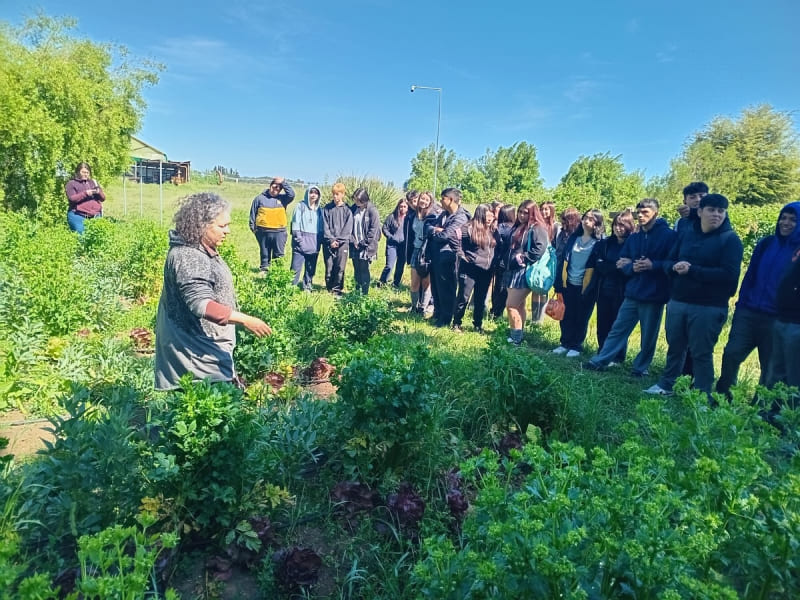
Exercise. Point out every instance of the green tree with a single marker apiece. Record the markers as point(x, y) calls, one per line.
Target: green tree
point(64, 100)
point(453, 171)
point(754, 159)
point(512, 172)
point(599, 181)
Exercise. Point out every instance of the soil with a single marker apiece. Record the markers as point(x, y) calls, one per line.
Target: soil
point(24, 439)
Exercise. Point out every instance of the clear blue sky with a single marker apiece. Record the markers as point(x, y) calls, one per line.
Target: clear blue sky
point(314, 89)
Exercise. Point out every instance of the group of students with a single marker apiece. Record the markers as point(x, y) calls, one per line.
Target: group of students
point(691, 267)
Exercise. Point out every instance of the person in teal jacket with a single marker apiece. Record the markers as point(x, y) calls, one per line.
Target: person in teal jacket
point(306, 228)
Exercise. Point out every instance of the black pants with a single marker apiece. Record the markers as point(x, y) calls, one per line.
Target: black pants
point(271, 244)
point(607, 310)
point(444, 284)
point(577, 310)
point(395, 259)
point(361, 272)
point(299, 259)
point(499, 293)
point(472, 281)
point(335, 264)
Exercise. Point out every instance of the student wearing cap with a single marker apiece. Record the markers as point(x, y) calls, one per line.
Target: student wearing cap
point(704, 267)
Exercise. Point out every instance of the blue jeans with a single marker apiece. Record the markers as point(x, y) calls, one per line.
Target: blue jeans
point(298, 261)
point(648, 315)
point(785, 363)
point(692, 327)
point(395, 256)
point(749, 330)
point(76, 222)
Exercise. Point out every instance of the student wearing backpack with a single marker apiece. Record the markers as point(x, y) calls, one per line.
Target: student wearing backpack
point(528, 242)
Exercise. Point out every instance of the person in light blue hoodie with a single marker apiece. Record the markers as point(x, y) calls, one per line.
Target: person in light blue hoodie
point(306, 230)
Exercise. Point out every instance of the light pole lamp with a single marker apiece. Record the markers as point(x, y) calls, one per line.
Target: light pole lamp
point(438, 123)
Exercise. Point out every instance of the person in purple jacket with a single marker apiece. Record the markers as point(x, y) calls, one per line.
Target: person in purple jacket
point(85, 198)
point(754, 317)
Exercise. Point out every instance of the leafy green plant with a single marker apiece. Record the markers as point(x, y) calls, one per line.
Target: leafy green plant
point(360, 317)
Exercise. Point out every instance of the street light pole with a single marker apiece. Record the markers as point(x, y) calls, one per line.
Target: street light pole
point(438, 123)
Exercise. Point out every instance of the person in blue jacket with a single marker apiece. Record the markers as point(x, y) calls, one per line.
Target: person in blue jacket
point(646, 291)
point(306, 228)
point(394, 230)
point(754, 317)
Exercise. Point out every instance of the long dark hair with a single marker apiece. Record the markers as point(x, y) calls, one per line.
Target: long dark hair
point(479, 232)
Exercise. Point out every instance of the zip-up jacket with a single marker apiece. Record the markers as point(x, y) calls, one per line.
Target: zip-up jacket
point(445, 245)
point(394, 230)
point(609, 279)
point(771, 258)
point(408, 234)
point(307, 226)
point(716, 261)
point(269, 212)
point(655, 244)
point(563, 266)
point(370, 232)
point(337, 223)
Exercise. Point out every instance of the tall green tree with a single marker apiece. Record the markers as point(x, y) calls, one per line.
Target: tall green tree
point(753, 160)
point(453, 171)
point(512, 171)
point(599, 181)
point(64, 100)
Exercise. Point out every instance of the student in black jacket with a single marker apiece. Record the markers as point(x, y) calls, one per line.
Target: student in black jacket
point(478, 242)
point(785, 361)
point(611, 280)
point(704, 266)
point(394, 232)
point(506, 217)
point(364, 241)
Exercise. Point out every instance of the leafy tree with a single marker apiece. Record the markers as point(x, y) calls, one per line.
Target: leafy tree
point(513, 170)
point(753, 160)
point(599, 181)
point(453, 171)
point(64, 100)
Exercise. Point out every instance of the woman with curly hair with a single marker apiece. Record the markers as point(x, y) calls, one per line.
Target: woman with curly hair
point(197, 311)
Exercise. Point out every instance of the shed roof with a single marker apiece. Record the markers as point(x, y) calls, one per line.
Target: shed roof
point(142, 150)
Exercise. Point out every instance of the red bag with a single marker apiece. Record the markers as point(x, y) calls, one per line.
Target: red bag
point(555, 307)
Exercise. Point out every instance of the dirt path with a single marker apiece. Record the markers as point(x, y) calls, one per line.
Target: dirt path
point(25, 438)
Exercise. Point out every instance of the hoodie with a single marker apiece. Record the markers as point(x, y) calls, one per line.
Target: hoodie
point(655, 244)
point(307, 225)
point(364, 241)
point(268, 212)
point(716, 261)
point(771, 258)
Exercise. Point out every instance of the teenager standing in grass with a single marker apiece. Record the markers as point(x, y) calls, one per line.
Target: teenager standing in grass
point(646, 290)
point(539, 301)
point(570, 219)
point(420, 272)
point(306, 237)
point(268, 220)
point(574, 280)
point(754, 317)
point(85, 197)
point(785, 362)
point(610, 280)
point(528, 242)
point(364, 240)
point(444, 235)
point(478, 243)
point(337, 228)
point(394, 232)
point(197, 312)
point(704, 267)
point(506, 218)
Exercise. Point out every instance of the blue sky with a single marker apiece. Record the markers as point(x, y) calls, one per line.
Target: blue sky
point(314, 89)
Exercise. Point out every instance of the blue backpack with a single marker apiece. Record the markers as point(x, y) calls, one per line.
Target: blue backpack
point(541, 275)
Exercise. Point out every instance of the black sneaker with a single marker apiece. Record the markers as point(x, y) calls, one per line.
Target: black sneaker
point(590, 366)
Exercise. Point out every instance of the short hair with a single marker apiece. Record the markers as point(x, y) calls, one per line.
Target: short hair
point(452, 193)
point(338, 187)
point(196, 213)
point(715, 200)
point(80, 166)
point(361, 195)
point(411, 194)
point(508, 214)
point(696, 187)
point(625, 218)
point(649, 203)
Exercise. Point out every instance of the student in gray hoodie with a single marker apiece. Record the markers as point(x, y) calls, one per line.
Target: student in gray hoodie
point(307, 232)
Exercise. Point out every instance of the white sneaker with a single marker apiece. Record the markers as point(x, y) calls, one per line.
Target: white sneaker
point(573, 354)
point(560, 350)
point(657, 390)
point(613, 364)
